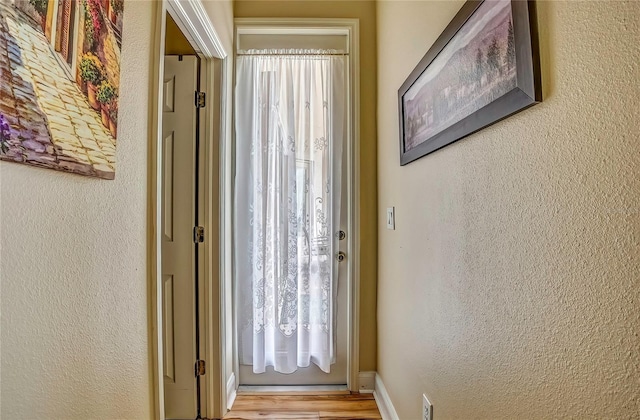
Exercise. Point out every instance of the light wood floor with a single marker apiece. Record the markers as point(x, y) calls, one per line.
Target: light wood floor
point(304, 406)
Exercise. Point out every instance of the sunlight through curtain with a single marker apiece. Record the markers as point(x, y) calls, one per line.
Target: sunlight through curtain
point(289, 132)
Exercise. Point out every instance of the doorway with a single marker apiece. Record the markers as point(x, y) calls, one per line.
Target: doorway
point(300, 135)
point(188, 121)
point(180, 252)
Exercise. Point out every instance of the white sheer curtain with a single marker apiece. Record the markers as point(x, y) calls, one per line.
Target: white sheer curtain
point(289, 132)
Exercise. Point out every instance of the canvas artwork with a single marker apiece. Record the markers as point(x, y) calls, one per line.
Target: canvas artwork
point(480, 67)
point(470, 75)
point(60, 78)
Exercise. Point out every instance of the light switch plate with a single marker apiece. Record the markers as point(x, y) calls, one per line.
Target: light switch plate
point(391, 218)
point(427, 408)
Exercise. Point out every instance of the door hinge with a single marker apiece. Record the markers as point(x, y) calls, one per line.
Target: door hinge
point(201, 99)
point(198, 234)
point(201, 368)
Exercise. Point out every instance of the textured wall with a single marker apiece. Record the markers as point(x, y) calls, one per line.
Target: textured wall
point(365, 10)
point(73, 271)
point(511, 287)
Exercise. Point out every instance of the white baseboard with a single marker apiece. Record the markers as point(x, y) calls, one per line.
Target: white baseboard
point(387, 411)
point(366, 382)
point(231, 390)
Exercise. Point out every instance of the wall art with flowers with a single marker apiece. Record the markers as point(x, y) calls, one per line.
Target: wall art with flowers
point(60, 80)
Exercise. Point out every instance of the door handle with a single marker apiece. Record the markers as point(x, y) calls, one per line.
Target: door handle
point(341, 256)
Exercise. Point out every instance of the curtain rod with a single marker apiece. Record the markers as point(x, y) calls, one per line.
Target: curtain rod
point(292, 54)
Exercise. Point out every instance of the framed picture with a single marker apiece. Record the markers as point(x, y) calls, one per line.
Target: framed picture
point(484, 67)
point(60, 68)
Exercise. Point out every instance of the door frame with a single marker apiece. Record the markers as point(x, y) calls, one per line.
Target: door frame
point(326, 26)
point(194, 22)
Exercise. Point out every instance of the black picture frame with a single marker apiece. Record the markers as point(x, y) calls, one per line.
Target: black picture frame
point(415, 114)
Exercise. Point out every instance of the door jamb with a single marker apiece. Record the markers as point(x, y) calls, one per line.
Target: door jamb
point(195, 24)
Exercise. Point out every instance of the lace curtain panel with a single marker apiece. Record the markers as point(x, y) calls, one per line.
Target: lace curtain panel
point(289, 133)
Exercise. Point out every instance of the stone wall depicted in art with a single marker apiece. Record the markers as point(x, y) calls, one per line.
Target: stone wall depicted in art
point(60, 72)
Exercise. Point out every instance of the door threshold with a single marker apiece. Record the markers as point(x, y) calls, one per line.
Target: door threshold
point(293, 389)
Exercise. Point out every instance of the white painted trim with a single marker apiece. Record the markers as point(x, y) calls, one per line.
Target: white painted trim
point(367, 382)
point(224, 69)
point(354, 206)
point(231, 390)
point(387, 411)
point(329, 26)
point(290, 25)
point(225, 213)
point(213, 385)
point(270, 30)
point(155, 208)
point(195, 24)
point(288, 31)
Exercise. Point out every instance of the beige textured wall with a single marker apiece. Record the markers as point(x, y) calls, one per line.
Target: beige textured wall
point(364, 10)
point(511, 287)
point(73, 265)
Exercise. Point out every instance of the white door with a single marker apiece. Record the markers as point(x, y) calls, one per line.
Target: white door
point(263, 126)
point(178, 250)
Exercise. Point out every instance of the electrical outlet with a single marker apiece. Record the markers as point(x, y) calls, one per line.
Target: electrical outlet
point(427, 408)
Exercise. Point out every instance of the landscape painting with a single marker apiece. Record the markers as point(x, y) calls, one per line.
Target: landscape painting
point(60, 74)
point(475, 68)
